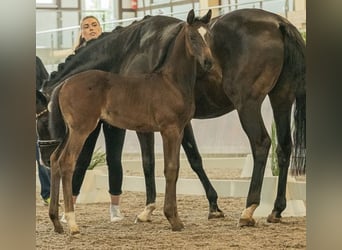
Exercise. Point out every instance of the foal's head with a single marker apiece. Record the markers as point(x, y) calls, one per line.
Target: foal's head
point(198, 39)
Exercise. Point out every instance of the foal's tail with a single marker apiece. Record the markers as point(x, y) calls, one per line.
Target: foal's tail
point(57, 125)
point(294, 69)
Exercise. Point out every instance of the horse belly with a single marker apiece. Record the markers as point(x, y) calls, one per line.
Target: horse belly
point(129, 115)
point(148, 115)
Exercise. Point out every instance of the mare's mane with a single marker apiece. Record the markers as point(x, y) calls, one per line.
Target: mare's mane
point(140, 47)
point(41, 73)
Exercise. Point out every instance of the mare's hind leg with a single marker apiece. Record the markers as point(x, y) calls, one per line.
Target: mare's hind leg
point(253, 125)
point(282, 117)
point(146, 141)
point(195, 160)
point(54, 193)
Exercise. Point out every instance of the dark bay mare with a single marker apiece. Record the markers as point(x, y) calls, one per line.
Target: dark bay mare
point(45, 142)
point(258, 53)
point(46, 145)
point(160, 101)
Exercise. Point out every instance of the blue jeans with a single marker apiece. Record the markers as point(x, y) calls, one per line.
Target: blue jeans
point(44, 177)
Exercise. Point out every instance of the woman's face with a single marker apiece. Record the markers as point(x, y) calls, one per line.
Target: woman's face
point(90, 29)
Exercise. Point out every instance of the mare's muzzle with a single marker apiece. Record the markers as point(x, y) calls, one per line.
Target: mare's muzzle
point(46, 148)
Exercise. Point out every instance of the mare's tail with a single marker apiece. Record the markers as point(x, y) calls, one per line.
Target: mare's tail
point(57, 125)
point(294, 66)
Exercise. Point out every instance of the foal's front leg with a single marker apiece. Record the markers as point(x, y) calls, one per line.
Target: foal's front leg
point(67, 174)
point(67, 165)
point(171, 145)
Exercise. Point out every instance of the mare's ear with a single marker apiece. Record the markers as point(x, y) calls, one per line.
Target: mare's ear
point(206, 19)
point(191, 17)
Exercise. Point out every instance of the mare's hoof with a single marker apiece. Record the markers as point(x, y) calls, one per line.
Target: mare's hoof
point(246, 222)
point(146, 215)
point(216, 214)
point(273, 218)
point(141, 219)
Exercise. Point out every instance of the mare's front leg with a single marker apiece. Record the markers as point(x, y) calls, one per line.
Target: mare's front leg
point(171, 145)
point(195, 160)
point(252, 123)
point(54, 192)
point(146, 141)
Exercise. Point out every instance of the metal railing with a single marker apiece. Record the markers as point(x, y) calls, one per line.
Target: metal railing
point(54, 45)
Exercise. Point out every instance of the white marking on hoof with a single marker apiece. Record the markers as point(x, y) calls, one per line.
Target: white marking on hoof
point(146, 214)
point(248, 212)
point(70, 218)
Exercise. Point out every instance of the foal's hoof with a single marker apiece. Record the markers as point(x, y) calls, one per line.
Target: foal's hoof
point(215, 214)
point(273, 218)
point(59, 229)
point(246, 222)
point(178, 227)
point(74, 230)
point(57, 226)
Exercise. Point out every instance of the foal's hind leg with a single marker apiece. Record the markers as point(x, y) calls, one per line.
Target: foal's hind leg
point(195, 160)
point(147, 151)
point(54, 194)
point(282, 117)
point(253, 125)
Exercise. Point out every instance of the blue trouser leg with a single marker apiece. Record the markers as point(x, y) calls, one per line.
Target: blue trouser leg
point(44, 177)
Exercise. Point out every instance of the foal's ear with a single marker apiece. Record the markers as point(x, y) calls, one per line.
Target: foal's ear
point(207, 17)
point(191, 17)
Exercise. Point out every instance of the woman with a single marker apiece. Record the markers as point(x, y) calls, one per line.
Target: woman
point(91, 29)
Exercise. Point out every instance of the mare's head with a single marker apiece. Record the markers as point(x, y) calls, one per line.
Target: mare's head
point(46, 145)
point(198, 39)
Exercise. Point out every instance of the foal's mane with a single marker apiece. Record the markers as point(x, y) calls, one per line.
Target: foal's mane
point(167, 43)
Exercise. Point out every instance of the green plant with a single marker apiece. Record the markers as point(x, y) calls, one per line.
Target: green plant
point(97, 158)
point(274, 158)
